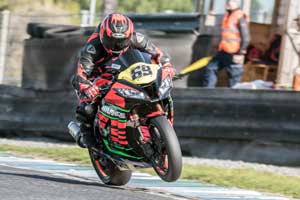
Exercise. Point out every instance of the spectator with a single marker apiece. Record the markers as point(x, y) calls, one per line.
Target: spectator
point(235, 39)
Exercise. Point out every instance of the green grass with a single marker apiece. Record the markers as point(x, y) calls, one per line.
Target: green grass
point(65, 154)
point(241, 178)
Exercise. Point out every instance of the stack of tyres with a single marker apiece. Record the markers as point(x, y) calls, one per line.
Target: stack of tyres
point(202, 47)
point(42, 30)
point(50, 55)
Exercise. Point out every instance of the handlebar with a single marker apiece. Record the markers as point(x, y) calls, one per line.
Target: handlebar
point(177, 77)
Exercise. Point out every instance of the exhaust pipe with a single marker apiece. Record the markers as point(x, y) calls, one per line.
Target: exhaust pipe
point(74, 130)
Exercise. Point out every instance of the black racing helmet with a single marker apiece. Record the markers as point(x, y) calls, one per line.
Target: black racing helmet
point(115, 33)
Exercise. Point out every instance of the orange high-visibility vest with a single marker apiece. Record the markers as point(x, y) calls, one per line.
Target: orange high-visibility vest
point(231, 37)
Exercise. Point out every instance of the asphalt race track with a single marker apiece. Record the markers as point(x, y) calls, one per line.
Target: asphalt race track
point(34, 179)
point(20, 184)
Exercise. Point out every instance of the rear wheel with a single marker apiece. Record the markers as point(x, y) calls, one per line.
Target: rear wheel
point(167, 161)
point(108, 172)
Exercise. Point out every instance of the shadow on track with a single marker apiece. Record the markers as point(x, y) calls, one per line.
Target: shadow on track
point(59, 180)
point(70, 181)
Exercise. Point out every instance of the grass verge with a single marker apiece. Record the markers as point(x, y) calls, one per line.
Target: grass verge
point(241, 178)
point(64, 154)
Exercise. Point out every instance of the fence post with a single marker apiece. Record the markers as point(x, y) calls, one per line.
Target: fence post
point(3, 42)
point(110, 6)
point(84, 18)
point(92, 12)
point(246, 6)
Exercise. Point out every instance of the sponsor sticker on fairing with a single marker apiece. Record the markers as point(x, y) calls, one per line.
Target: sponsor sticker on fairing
point(115, 66)
point(112, 112)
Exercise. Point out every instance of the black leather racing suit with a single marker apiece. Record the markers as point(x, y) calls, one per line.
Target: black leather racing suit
point(93, 55)
point(90, 66)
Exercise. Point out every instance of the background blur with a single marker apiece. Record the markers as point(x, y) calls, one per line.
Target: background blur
point(256, 122)
point(76, 12)
point(40, 40)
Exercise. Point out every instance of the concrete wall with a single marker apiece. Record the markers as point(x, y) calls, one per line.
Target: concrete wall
point(227, 124)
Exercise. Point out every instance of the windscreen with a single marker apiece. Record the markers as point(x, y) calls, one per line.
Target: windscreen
point(131, 57)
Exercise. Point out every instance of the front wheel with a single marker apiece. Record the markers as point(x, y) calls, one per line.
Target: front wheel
point(167, 160)
point(108, 172)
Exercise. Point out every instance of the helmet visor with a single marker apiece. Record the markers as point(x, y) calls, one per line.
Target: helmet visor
point(116, 44)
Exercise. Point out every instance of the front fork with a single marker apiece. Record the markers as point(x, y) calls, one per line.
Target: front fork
point(143, 129)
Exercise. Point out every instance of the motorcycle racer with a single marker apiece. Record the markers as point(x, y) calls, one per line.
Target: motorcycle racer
point(112, 38)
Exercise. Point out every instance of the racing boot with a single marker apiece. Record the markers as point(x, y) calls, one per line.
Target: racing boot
point(86, 137)
point(83, 132)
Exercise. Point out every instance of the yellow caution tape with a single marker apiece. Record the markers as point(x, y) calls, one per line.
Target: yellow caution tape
point(203, 62)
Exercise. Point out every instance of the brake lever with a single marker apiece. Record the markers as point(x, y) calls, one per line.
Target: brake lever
point(177, 77)
point(102, 91)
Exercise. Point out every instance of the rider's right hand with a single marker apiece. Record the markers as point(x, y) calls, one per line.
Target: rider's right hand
point(92, 91)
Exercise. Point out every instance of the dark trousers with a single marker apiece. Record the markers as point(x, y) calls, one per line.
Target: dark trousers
point(221, 60)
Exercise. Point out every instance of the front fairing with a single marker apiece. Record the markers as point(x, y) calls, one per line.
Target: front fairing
point(135, 91)
point(138, 80)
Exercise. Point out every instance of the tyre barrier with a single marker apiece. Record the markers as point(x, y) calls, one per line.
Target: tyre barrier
point(48, 64)
point(202, 47)
point(63, 32)
point(87, 31)
point(256, 126)
point(43, 30)
point(168, 23)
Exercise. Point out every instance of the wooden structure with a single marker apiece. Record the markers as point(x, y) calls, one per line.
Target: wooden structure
point(289, 12)
point(283, 23)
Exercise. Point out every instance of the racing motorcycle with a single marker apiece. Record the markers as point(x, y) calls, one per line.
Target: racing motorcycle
point(134, 122)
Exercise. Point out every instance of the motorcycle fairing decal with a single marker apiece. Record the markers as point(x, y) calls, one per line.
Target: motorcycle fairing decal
point(113, 112)
point(103, 120)
point(123, 148)
point(115, 138)
point(114, 135)
point(123, 142)
point(113, 118)
point(117, 131)
point(120, 153)
point(118, 108)
point(140, 73)
point(122, 126)
point(113, 98)
point(118, 137)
